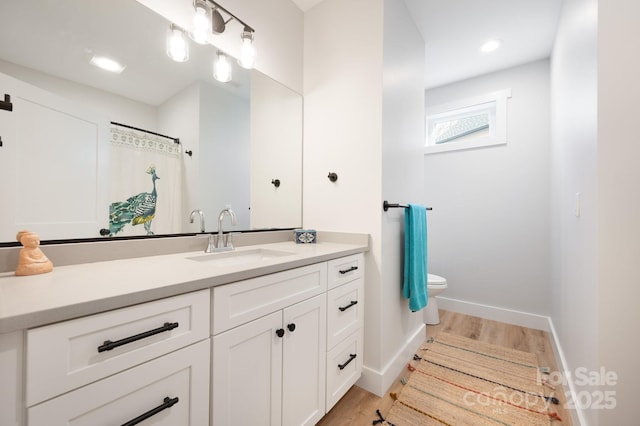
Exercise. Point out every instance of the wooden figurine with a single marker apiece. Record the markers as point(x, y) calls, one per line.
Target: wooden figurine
point(31, 260)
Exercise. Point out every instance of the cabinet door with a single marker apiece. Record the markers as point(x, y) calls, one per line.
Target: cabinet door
point(247, 374)
point(304, 362)
point(53, 174)
point(174, 387)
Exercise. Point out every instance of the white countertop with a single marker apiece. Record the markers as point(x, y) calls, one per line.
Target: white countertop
point(78, 290)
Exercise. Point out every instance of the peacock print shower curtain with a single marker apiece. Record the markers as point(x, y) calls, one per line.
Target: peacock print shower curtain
point(145, 183)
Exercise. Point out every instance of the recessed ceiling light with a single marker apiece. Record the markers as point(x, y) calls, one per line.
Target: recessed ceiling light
point(491, 45)
point(107, 64)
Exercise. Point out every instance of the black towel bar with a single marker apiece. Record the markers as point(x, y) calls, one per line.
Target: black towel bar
point(387, 205)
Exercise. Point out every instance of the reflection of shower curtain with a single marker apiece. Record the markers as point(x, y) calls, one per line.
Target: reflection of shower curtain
point(145, 180)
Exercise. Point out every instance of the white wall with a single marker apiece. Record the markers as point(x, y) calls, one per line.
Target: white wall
point(402, 177)
point(618, 222)
point(363, 121)
point(342, 116)
point(574, 159)
point(489, 228)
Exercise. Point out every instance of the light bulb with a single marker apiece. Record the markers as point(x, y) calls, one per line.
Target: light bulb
point(177, 45)
point(247, 51)
point(222, 68)
point(201, 23)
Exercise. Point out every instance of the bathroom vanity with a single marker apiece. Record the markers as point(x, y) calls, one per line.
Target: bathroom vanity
point(266, 334)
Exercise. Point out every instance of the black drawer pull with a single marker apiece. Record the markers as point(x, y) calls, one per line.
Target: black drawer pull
point(291, 327)
point(351, 358)
point(280, 332)
point(344, 308)
point(108, 344)
point(344, 271)
point(168, 403)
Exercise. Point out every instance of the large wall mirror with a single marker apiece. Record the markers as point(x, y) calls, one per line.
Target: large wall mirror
point(80, 144)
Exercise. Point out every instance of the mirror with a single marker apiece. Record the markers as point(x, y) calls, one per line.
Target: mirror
point(242, 135)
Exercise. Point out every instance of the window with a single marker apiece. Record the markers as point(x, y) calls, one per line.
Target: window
point(469, 123)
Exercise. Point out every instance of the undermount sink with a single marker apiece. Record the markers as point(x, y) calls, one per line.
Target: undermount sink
point(239, 257)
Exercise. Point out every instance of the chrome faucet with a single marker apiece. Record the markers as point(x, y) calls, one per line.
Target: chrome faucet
point(228, 244)
point(201, 214)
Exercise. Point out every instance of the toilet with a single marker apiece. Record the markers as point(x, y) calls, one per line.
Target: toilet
point(435, 286)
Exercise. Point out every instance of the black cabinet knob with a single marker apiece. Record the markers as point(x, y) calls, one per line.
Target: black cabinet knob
point(291, 327)
point(280, 332)
point(104, 232)
point(275, 182)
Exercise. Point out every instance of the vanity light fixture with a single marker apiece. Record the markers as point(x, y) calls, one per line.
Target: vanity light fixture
point(208, 19)
point(177, 44)
point(201, 22)
point(107, 64)
point(222, 68)
point(491, 45)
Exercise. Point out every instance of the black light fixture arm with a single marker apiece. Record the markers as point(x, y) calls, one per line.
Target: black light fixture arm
point(217, 6)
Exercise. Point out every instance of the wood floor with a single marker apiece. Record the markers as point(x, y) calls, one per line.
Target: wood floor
point(358, 407)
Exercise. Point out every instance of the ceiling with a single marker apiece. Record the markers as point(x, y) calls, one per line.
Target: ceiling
point(454, 30)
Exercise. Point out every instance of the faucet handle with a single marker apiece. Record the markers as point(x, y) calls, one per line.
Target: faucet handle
point(211, 245)
point(229, 239)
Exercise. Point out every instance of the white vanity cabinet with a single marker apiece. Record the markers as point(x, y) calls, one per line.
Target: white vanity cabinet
point(269, 350)
point(112, 368)
point(245, 349)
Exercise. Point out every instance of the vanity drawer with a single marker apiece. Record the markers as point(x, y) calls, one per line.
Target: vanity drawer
point(70, 354)
point(240, 302)
point(345, 311)
point(181, 375)
point(348, 355)
point(345, 269)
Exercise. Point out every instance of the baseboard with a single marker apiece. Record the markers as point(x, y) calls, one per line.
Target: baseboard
point(577, 416)
point(379, 382)
point(510, 316)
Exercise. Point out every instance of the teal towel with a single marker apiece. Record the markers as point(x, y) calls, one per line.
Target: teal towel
point(415, 256)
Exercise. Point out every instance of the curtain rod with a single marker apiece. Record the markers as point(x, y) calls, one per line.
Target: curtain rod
point(175, 140)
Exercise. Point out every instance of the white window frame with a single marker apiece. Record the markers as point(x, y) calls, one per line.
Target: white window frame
point(495, 103)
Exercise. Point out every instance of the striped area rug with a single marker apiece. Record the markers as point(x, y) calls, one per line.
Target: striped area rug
point(460, 381)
